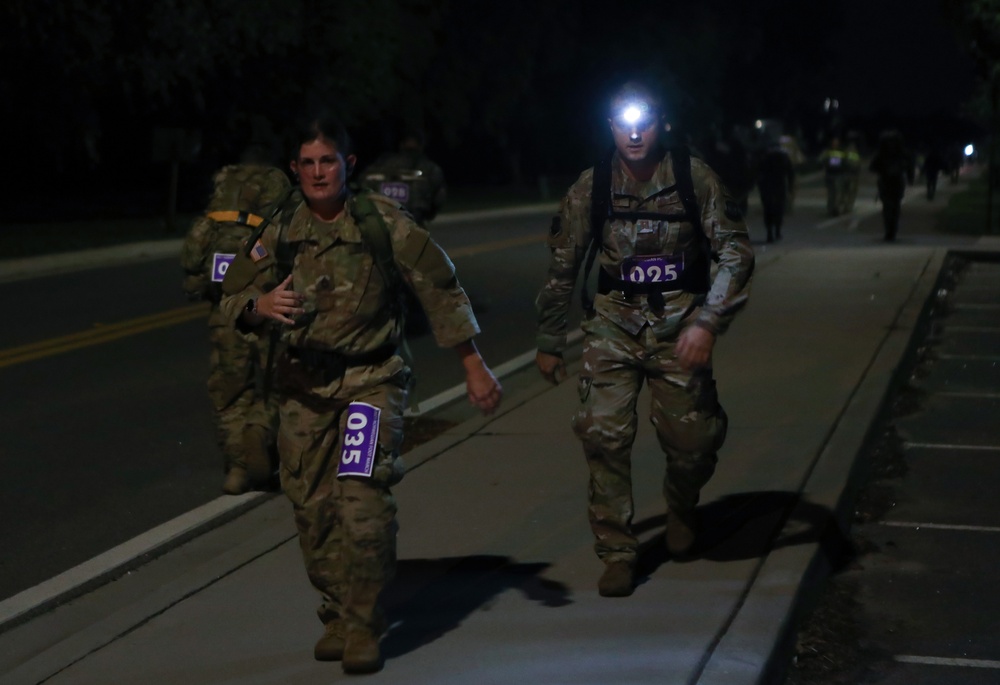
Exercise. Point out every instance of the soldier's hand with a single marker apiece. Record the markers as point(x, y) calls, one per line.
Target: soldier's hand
point(282, 303)
point(552, 367)
point(694, 347)
point(483, 388)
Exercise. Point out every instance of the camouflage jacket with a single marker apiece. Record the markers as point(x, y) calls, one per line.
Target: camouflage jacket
point(349, 307)
point(721, 222)
point(215, 237)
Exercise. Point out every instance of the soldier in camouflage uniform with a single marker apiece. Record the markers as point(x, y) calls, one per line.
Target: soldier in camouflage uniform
point(655, 319)
point(315, 272)
point(409, 177)
point(245, 418)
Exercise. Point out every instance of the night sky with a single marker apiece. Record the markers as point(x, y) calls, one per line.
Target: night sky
point(899, 56)
point(506, 90)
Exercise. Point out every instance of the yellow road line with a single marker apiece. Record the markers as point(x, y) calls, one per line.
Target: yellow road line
point(100, 334)
point(470, 250)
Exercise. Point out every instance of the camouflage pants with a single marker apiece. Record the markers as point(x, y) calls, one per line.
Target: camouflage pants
point(346, 526)
point(235, 379)
point(690, 425)
point(838, 194)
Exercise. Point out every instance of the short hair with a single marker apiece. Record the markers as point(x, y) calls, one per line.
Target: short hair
point(414, 134)
point(636, 90)
point(322, 125)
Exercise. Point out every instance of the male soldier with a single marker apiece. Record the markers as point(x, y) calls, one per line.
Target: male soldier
point(409, 177)
point(837, 176)
point(776, 181)
point(328, 269)
point(659, 217)
point(853, 160)
point(245, 410)
point(893, 164)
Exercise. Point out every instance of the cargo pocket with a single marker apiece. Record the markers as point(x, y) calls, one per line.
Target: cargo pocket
point(706, 396)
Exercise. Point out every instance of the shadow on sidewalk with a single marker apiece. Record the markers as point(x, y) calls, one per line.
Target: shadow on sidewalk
point(430, 597)
point(750, 525)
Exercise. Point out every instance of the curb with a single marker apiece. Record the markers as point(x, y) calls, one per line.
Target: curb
point(124, 558)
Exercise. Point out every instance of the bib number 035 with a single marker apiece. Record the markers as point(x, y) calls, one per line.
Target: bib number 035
point(652, 269)
point(360, 440)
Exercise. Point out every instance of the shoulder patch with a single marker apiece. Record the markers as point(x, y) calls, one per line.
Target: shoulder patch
point(257, 252)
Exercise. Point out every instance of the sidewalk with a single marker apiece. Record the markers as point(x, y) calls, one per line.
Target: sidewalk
point(497, 578)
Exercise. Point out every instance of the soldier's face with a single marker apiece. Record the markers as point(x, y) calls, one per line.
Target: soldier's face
point(322, 171)
point(636, 141)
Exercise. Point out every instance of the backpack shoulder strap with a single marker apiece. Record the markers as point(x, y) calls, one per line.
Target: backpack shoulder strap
point(600, 205)
point(375, 235)
point(680, 156)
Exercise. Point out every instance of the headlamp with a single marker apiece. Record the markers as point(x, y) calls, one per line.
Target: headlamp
point(634, 115)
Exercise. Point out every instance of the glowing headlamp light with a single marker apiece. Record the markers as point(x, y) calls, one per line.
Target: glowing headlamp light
point(634, 115)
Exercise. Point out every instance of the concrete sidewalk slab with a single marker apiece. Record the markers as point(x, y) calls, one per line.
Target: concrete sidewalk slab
point(497, 576)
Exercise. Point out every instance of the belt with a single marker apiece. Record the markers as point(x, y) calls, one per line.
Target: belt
point(245, 218)
point(328, 361)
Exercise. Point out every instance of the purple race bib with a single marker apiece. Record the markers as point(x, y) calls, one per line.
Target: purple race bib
point(360, 440)
point(652, 268)
point(220, 264)
point(394, 190)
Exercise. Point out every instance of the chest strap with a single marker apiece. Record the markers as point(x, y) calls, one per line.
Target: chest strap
point(245, 218)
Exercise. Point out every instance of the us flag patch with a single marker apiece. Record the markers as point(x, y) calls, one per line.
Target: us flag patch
point(258, 252)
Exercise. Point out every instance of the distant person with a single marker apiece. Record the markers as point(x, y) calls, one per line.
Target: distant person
point(412, 179)
point(409, 177)
point(893, 164)
point(238, 383)
point(853, 172)
point(674, 264)
point(728, 158)
point(837, 176)
point(934, 164)
point(328, 270)
point(776, 183)
point(955, 159)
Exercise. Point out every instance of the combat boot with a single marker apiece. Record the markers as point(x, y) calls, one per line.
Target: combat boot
point(617, 580)
point(257, 452)
point(237, 481)
point(362, 653)
point(330, 647)
point(681, 531)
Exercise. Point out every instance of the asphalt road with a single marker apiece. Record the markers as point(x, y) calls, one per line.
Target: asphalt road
point(107, 429)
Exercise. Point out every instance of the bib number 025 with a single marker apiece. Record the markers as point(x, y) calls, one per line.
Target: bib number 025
point(652, 269)
point(360, 440)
